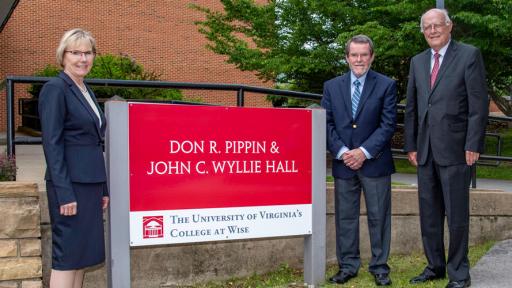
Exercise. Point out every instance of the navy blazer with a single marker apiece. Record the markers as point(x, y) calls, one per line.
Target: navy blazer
point(450, 118)
point(72, 137)
point(372, 127)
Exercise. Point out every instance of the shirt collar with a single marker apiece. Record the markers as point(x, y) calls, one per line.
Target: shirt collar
point(361, 79)
point(442, 51)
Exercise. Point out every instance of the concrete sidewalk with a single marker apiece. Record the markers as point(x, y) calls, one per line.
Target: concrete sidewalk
point(494, 270)
point(31, 164)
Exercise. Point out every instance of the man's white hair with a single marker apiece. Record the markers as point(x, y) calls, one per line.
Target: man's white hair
point(447, 19)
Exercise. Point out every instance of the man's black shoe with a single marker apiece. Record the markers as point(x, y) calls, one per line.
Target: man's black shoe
point(459, 284)
point(424, 277)
point(382, 279)
point(341, 277)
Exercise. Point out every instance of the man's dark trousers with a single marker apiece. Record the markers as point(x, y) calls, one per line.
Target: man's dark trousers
point(444, 190)
point(347, 206)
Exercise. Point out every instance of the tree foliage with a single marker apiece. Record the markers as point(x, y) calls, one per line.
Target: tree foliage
point(121, 67)
point(300, 43)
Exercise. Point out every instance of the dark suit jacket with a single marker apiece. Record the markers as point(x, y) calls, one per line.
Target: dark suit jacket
point(72, 137)
point(452, 115)
point(372, 127)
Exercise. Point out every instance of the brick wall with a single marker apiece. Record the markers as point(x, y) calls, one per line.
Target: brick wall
point(159, 34)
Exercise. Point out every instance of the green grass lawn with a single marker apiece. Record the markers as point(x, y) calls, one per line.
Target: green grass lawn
point(483, 170)
point(403, 268)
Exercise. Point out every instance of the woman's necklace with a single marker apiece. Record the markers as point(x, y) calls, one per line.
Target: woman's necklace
point(83, 90)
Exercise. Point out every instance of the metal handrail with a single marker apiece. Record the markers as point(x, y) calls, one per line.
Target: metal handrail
point(175, 85)
point(482, 157)
point(238, 88)
point(489, 117)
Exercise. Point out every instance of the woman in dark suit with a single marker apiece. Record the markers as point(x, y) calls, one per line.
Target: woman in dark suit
point(72, 130)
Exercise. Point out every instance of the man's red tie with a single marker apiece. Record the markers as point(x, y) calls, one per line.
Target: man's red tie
point(435, 69)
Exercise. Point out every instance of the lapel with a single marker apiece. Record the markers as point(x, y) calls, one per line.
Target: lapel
point(427, 56)
point(369, 85)
point(447, 60)
point(102, 115)
point(85, 105)
point(424, 77)
point(345, 92)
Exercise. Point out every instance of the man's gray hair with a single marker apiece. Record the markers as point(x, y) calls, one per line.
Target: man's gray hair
point(362, 39)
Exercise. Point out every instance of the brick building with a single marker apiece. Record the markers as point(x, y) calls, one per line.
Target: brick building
point(158, 34)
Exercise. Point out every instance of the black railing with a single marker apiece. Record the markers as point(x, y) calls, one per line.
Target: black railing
point(497, 158)
point(240, 90)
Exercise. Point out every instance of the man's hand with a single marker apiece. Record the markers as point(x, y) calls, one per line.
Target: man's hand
point(354, 158)
point(472, 157)
point(412, 158)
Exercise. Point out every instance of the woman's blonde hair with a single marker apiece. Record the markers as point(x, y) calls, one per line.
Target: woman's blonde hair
point(74, 36)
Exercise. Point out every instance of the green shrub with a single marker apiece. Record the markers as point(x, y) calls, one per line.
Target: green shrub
point(7, 168)
point(121, 67)
point(285, 101)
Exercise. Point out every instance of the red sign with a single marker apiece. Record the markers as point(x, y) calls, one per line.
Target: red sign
point(192, 157)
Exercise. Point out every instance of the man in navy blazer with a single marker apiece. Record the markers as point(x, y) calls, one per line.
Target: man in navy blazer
point(445, 119)
point(361, 117)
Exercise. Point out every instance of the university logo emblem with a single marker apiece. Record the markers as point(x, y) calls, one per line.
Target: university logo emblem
point(153, 227)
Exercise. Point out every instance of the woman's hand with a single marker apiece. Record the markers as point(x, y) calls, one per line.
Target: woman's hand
point(69, 209)
point(105, 202)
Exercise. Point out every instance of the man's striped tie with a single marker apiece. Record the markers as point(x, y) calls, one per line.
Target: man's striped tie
point(355, 97)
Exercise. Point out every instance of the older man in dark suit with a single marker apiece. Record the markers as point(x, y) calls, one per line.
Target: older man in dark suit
point(361, 117)
point(446, 114)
